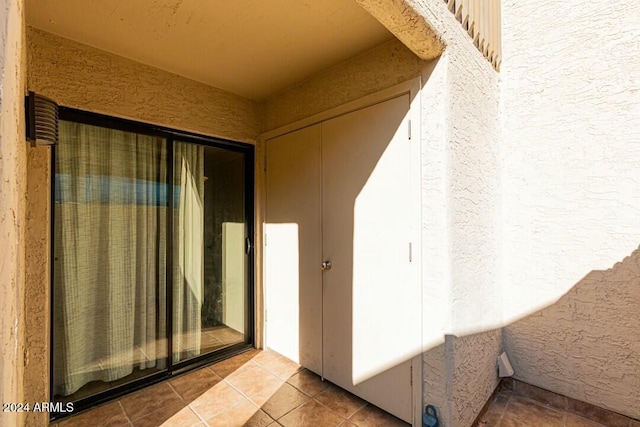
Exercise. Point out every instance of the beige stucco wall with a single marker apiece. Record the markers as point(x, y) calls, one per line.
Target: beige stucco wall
point(384, 66)
point(473, 374)
point(13, 152)
point(571, 109)
point(79, 76)
point(586, 345)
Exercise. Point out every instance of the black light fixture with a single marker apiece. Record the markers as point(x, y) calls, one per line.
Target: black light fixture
point(41, 115)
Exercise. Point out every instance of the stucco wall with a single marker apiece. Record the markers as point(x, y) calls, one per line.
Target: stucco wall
point(474, 375)
point(461, 217)
point(79, 76)
point(37, 232)
point(13, 152)
point(571, 108)
point(382, 67)
point(586, 345)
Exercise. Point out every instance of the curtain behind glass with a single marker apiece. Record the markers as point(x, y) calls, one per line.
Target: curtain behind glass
point(110, 255)
point(188, 250)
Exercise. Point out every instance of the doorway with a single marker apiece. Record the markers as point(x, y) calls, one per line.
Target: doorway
point(342, 295)
point(152, 255)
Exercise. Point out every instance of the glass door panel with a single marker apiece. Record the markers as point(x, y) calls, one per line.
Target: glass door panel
point(209, 257)
point(110, 245)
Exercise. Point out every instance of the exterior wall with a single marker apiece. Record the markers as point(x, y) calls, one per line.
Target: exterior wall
point(382, 67)
point(461, 217)
point(585, 345)
point(473, 374)
point(570, 108)
point(13, 182)
point(79, 76)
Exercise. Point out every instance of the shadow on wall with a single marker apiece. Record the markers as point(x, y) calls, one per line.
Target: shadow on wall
point(586, 345)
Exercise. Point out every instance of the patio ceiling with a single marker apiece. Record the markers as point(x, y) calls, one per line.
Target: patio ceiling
point(253, 48)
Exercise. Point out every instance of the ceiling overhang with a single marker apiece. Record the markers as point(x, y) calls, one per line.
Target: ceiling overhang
point(253, 48)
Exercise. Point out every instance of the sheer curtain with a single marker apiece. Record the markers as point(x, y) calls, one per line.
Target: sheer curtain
point(110, 264)
point(188, 250)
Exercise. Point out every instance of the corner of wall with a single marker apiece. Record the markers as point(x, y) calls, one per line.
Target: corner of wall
point(13, 161)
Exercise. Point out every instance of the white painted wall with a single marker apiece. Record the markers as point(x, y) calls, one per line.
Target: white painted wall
point(571, 143)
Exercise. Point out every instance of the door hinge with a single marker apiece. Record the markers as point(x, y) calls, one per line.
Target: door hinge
point(410, 252)
point(409, 128)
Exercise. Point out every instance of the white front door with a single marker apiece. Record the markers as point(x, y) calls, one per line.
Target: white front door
point(369, 321)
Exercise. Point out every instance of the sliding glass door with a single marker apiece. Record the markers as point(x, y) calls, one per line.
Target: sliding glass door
point(209, 250)
point(151, 254)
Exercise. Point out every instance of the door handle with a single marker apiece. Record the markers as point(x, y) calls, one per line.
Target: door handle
point(326, 265)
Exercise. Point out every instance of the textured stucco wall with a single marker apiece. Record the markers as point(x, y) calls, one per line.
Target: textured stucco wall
point(571, 109)
point(586, 345)
point(37, 232)
point(461, 217)
point(382, 67)
point(13, 161)
point(79, 76)
point(474, 374)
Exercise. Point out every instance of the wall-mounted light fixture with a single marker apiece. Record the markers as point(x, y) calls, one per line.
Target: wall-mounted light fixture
point(42, 120)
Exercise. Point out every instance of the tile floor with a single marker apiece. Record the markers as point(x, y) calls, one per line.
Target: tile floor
point(211, 339)
point(257, 388)
point(508, 409)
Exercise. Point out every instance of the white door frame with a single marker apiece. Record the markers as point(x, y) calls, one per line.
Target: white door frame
point(411, 87)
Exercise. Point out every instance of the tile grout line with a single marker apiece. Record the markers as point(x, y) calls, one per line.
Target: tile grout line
point(293, 409)
point(358, 410)
point(125, 413)
point(330, 410)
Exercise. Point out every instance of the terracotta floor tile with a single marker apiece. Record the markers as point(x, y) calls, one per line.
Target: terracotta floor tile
point(308, 382)
point(572, 420)
point(543, 396)
point(159, 399)
point(285, 399)
point(183, 418)
point(521, 412)
point(227, 367)
point(490, 419)
point(194, 384)
point(237, 415)
point(499, 402)
point(216, 400)
point(227, 335)
point(250, 354)
point(109, 415)
point(259, 419)
point(371, 416)
point(340, 401)
point(252, 379)
point(596, 413)
point(311, 414)
point(277, 364)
